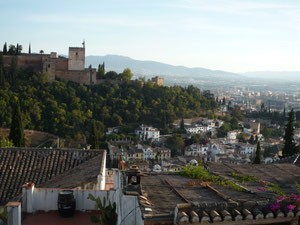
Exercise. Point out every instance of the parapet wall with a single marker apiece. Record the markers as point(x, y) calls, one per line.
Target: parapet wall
point(82, 76)
point(26, 60)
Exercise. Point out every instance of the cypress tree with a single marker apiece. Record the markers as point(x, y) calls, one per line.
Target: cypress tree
point(13, 70)
point(252, 141)
point(29, 50)
point(16, 134)
point(182, 125)
point(5, 49)
point(17, 49)
point(94, 136)
point(258, 155)
point(289, 147)
point(1, 70)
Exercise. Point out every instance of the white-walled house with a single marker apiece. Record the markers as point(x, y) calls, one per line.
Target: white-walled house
point(147, 133)
point(148, 152)
point(247, 148)
point(197, 129)
point(195, 150)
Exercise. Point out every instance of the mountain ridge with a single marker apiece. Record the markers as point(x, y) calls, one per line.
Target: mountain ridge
point(151, 68)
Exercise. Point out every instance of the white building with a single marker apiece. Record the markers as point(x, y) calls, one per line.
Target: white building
point(231, 136)
point(197, 129)
point(195, 150)
point(148, 152)
point(247, 149)
point(148, 133)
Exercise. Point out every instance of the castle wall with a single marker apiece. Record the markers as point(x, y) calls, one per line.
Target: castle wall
point(76, 58)
point(61, 64)
point(83, 76)
point(26, 60)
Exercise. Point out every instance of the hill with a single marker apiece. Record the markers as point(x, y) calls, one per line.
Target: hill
point(151, 68)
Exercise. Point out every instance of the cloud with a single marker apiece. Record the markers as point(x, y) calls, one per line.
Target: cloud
point(239, 7)
point(92, 20)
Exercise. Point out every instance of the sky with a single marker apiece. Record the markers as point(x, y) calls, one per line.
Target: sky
point(231, 35)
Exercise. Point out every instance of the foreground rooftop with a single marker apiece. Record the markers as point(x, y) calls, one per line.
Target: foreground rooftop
point(188, 200)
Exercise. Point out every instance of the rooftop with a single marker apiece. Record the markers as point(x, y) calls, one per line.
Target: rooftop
point(22, 165)
point(199, 201)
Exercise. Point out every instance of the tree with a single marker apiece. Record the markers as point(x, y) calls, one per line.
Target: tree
point(5, 49)
point(182, 130)
point(93, 139)
point(11, 50)
point(222, 131)
point(224, 101)
point(176, 145)
point(289, 147)
point(29, 49)
point(16, 134)
point(101, 71)
point(2, 79)
point(252, 140)
point(111, 75)
point(126, 75)
point(262, 107)
point(234, 123)
point(13, 70)
point(258, 155)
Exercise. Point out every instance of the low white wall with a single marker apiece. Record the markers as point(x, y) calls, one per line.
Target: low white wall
point(46, 199)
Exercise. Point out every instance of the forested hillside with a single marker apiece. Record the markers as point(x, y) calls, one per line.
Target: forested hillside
point(65, 108)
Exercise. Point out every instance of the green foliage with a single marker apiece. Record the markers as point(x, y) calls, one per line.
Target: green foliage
point(65, 108)
point(275, 189)
point(236, 112)
point(199, 172)
point(126, 75)
point(94, 136)
point(275, 117)
point(6, 143)
point(101, 71)
point(243, 178)
point(3, 214)
point(16, 129)
point(258, 155)
point(176, 144)
point(298, 188)
point(5, 49)
point(107, 211)
point(222, 131)
point(290, 147)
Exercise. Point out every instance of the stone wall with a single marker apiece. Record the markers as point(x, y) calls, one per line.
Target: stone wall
point(76, 58)
point(26, 60)
point(61, 64)
point(82, 76)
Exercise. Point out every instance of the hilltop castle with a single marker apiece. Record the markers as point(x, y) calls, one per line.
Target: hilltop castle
point(72, 68)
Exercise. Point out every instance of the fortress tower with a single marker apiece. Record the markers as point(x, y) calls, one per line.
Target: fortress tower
point(76, 58)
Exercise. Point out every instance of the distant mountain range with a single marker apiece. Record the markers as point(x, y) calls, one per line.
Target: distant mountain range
point(151, 68)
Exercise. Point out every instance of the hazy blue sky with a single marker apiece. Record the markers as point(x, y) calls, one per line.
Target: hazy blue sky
point(232, 35)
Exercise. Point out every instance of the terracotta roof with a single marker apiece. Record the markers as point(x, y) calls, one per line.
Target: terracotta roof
point(21, 165)
point(191, 202)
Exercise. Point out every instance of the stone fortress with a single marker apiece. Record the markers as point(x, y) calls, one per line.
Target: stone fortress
point(72, 68)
